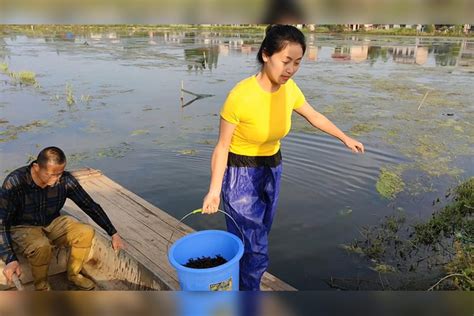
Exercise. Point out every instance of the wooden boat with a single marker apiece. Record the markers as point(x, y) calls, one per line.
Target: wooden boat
point(145, 228)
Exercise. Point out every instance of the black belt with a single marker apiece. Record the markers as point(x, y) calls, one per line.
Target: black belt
point(235, 160)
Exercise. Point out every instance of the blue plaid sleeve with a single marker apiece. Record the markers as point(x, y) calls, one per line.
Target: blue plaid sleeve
point(77, 193)
point(6, 209)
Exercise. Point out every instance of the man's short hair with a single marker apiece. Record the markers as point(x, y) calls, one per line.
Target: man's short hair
point(52, 155)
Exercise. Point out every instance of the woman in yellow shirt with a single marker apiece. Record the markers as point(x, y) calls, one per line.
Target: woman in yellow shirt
point(246, 162)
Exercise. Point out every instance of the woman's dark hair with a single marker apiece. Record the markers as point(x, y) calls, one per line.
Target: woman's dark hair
point(51, 155)
point(277, 36)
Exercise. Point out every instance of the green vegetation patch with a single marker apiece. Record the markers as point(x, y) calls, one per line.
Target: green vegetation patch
point(383, 268)
point(443, 244)
point(188, 152)
point(70, 100)
point(389, 184)
point(362, 128)
point(11, 132)
point(25, 77)
point(138, 132)
point(115, 151)
point(4, 67)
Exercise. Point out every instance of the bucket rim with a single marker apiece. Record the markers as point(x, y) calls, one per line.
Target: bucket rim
point(181, 267)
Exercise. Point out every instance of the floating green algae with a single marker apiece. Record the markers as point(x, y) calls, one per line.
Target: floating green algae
point(11, 132)
point(384, 268)
point(138, 132)
point(188, 152)
point(118, 151)
point(30, 158)
point(4, 67)
point(352, 248)
point(207, 142)
point(114, 151)
point(328, 110)
point(362, 128)
point(75, 159)
point(345, 212)
point(389, 184)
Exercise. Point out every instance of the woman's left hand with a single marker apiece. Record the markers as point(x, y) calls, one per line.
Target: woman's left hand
point(353, 145)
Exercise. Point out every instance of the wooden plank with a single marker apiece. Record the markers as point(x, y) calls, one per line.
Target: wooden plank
point(145, 228)
point(138, 227)
point(85, 173)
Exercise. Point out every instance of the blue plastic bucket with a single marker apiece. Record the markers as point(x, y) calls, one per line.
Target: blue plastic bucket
point(207, 243)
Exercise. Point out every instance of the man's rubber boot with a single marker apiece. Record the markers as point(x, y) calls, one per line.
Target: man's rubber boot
point(40, 277)
point(74, 267)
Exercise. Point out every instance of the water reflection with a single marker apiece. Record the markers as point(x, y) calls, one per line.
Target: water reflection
point(4, 51)
point(445, 54)
point(202, 57)
point(202, 48)
point(450, 53)
point(410, 55)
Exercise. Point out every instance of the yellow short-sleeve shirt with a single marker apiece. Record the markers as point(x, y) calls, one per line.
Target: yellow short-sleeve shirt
point(262, 118)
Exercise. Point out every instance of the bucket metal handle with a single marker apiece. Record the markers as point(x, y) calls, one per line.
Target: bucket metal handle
point(199, 210)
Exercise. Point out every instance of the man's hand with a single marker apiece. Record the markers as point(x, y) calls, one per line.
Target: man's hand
point(117, 242)
point(10, 269)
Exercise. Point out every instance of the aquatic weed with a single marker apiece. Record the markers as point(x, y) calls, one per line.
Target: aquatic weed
point(69, 95)
point(4, 68)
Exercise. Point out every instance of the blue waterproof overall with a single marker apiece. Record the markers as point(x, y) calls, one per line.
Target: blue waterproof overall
point(250, 190)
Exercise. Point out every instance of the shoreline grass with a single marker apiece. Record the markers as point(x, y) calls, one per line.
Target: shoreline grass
point(332, 29)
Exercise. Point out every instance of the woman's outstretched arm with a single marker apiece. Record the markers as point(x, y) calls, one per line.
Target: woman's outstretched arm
point(323, 123)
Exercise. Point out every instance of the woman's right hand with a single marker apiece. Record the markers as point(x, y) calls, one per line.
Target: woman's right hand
point(211, 203)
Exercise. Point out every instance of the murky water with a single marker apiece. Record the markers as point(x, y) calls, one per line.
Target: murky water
point(409, 100)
